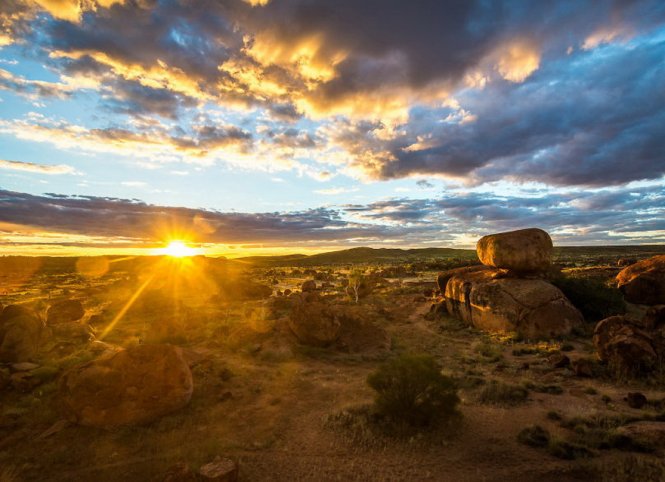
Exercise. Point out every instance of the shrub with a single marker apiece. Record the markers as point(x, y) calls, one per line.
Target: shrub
point(568, 450)
point(411, 389)
point(499, 393)
point(592, 296)
point(534, 436)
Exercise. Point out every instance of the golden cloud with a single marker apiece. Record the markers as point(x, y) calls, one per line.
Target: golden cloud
point(517, 60)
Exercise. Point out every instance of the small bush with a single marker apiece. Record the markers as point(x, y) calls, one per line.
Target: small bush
point(534, 436)
point(568, 451)
point(593, 297)
point(411, 389)
point(490, 351)
point(499, 393)
point(554, 415)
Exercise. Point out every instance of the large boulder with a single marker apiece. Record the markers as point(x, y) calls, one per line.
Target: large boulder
point(626, 347)
point(65, 311)
point(533, 308)
point(315, 322)
point(20, 333)
point(522, 251)
point(644, 282)
point(132, 386)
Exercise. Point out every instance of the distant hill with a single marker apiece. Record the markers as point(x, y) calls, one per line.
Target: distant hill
point(360, 255)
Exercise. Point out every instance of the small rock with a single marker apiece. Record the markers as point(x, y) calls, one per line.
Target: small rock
point(307, 286)
point(23, 382)
point(24, 366)
point(559, 360)
point(55, 428)
point(180, 472)
point(636, 399)
point(583, 367)
point(220, 470)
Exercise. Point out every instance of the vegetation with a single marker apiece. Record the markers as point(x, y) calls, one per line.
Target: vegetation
point(592, 296)
point(412, 389)
point(500, 393)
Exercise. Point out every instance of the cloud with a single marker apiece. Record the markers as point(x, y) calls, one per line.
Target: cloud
point(37, 168)
point(615, 216)
point(333, 191)
point(517, 61)
point(147, 223)
point(590, 126)
point(474, 91)
point(33, 89)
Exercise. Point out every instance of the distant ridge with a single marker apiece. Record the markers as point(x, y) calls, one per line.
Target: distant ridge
point(360, 255)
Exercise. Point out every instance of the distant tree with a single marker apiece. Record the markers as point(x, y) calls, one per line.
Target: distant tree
point(357, 284)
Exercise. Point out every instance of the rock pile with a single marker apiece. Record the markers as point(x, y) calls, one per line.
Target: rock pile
point(507, 293)
point(635, 344)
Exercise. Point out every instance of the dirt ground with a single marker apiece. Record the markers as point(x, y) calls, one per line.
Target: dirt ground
point(266, 401)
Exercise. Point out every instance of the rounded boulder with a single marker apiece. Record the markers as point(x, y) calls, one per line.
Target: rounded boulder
point(522, 251)
point(132, 386)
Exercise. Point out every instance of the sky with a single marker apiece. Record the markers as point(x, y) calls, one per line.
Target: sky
point(281, 126)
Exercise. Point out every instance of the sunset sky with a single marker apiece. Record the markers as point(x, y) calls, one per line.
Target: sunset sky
point(258, 126)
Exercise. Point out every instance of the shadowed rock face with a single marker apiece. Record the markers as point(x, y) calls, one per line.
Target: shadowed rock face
point(644, 282)
point(20, 333)
point(523, 251)
point(533, 308)
point(65, 311)
point(136, 385)
point(315, 322)
point(630, 346)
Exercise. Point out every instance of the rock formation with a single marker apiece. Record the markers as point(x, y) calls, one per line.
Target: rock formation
point(644, 282)
point(633, 345)
point(498, 295)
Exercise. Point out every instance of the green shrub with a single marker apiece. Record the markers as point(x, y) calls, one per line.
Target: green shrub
point(411, 389)
point(499, 393)
point(592, 296)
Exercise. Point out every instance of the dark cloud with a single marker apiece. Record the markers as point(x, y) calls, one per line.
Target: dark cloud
point(592, 125)
point(137, 100)
point(583, 217)
point(111, 217)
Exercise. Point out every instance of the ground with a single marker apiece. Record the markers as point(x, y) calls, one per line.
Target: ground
point(270, 403)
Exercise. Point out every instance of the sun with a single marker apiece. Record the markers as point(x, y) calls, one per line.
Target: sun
point(178, 249)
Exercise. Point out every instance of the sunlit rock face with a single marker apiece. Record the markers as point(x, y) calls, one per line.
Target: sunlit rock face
point(136, 385)
point(644, 282)
point(20, 333)
point(522, 251)
point(533, 308)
